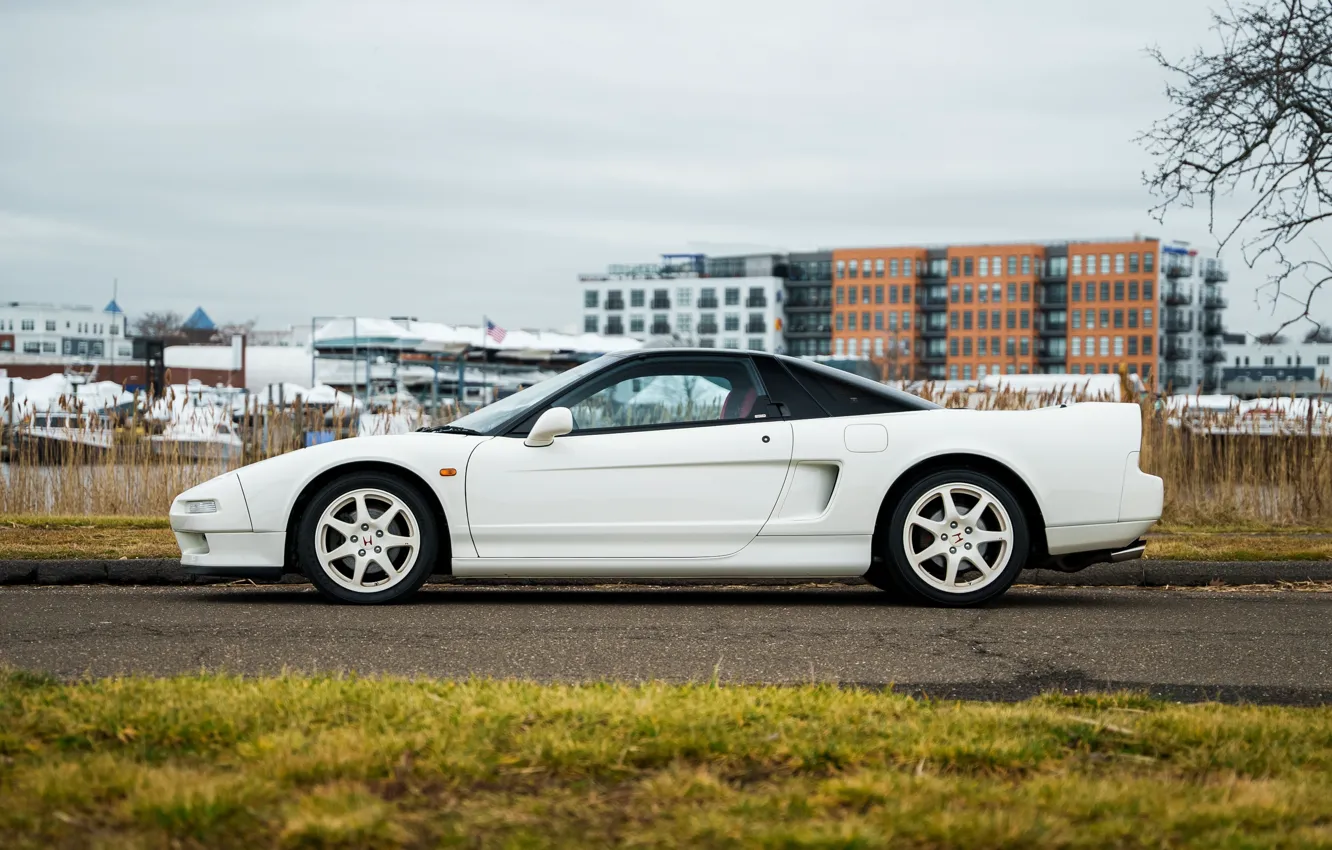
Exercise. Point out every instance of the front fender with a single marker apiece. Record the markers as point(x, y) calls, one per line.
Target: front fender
point(273, 486)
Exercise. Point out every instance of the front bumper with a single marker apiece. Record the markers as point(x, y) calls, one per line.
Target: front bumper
point(222, 542)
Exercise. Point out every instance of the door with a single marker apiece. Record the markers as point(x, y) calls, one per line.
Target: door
point(669, 457)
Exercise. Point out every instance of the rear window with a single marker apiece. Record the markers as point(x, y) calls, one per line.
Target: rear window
point(843, 394)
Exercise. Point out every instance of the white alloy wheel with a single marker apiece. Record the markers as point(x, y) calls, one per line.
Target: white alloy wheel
point(367, 540)
point(958, 537)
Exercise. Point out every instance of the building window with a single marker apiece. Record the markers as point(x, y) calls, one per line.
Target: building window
point(1133, 264)
point(1105, 290)
point(1012, 292)
point(983, 267)
point(878, 268)
point(865, 295)
point(851, 321)
point(50, 325)
point(1147, 290)
point(1105, 264)
point(966, 347)
point(683, 296)
point(1119, 318)
point(590, 324)
point(952, 347)
point(732, 322)
point(1105, 346)
point(590, 299)
point(952, 320)
point(1133, 346)
point(840, 347)
point(906, 294)
point(892, 268)
point(840, 322)
point(954, 267)
point(878, 294)
point(1025, 316)
point(1012, 319)
point(841, 294)
point(1119, 346)
point(1026, 292)
point(1119, 263)
point(878, 321)
point(684, 324)
point(635, 298)
point(841, 272)
point(968, 266)
point(1119, 290)
point(1133, 290)
point(1077, 264)
point(906, 320)
point(733, 296)
point(853, 269)
point(32, 348)
point(756, 343)
point(1076, 349)
point(1133, 318)
point(906, 267)
point(1024, 346)
point(966, 321)
point(636, 324)
point(1076, 317)
point(853, 292)
point(1148, 262)
point(30, 324)
point(966, 294)
point(50, 347)
point(865, 267)
point(892, 295)
point(983, 320)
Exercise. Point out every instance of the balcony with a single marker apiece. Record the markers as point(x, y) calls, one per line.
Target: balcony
point(660, 329)
point(1054, 276)
point(707, 303)
point(614, 303)
point(1174, 351)
point(933, 330)
point(1214, 301)
point(707, 328)
point(1046, 356)
point(931, 275)
point(936, 298)
point(756, 301)
point(1052, 328)
point(927, 356)
point(1176, 296)
point(1176, 267)
point(1213, 354)
point(1176, 323)
point(614, 329)
point(660, 304)
point(1053, 300)
point(755, 327)
point(1214, 272)
point(1211, 325)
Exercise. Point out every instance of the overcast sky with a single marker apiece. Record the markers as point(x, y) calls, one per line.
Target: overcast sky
point(272, 160)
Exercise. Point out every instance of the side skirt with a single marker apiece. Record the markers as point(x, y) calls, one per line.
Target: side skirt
point(773, 556)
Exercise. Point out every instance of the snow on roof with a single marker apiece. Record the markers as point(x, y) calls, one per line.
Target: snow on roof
point(1182, 401)
point(1089, 386)
point(439, 335)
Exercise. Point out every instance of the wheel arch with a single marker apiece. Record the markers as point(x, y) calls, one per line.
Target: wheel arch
point(444, 558)
point(1001, 472)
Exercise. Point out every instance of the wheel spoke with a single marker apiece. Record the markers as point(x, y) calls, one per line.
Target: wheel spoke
point(950, 508)
point(933, 526)
point(395, 541)
point(346, 529)
point(950, 576)
point(934, 550)
point(976, 561)
point(358, 574)
point(347, 548)
point(973, 516)
point(386, 518)
point(983, 535)
point(362, 512)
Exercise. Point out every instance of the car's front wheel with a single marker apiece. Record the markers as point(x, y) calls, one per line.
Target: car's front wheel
point(367, 538)
point(957, 537)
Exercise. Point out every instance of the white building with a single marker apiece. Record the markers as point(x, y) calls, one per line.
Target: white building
point(50, 332)
point(714, 302)
point(1252, 368)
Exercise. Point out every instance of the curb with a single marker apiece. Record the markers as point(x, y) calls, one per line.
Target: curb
point(1131, 574)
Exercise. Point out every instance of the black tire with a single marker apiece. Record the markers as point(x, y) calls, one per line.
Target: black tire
point(412, 502)
point(892, 571)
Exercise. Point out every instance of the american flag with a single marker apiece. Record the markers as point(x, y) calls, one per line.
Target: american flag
point(495, 332)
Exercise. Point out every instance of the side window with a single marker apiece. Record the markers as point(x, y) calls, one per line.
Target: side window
point(670, 392)
point(847, 397)
point(783, 389)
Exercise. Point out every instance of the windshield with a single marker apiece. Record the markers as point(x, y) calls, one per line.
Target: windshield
point(492, 416)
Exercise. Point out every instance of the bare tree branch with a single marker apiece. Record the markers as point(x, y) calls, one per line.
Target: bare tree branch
point(1255, 117)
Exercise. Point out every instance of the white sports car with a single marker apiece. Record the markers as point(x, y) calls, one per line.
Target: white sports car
point(691, 464)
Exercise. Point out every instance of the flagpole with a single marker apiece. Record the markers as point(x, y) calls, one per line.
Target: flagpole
point(485, 349)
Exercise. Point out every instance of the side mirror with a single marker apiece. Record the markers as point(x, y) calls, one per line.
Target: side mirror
point(549, 425)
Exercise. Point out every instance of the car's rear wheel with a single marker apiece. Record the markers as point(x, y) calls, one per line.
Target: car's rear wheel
point(367, 538)
point(957, 537)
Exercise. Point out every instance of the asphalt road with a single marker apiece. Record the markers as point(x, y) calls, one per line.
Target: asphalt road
point(1261, 646)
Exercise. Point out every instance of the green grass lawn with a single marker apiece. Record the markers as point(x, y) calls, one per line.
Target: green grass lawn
point(344, 762)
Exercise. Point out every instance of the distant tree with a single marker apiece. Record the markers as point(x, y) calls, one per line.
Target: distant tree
point(1322, 333)
point(1255, 116)
point(225, 332)
point(165, 325)
point(1271, 339)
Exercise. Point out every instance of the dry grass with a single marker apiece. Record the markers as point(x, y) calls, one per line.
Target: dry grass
point(1241, 481)
point(347, 762)
point(1239, 547)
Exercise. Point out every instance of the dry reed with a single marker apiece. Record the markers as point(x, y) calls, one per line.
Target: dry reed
point(1218, 469)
